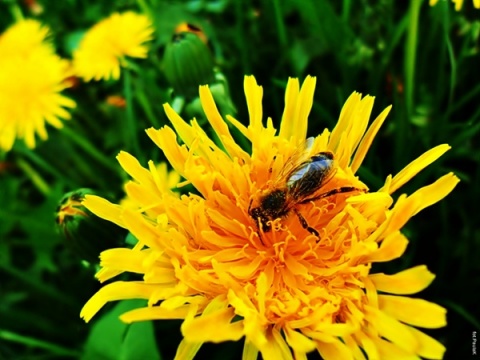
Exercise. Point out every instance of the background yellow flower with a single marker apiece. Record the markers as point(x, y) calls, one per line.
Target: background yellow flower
point(458, 3)
point(101, 51)
point(291, 285)
point(32, 77)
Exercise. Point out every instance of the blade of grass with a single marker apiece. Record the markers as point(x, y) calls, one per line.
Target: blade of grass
point(35, 343)
point(411, 54)
point(90, 149)
point(130, 129)
point(34, 176)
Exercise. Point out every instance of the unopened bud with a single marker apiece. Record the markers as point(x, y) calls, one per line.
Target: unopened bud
point(83, 232)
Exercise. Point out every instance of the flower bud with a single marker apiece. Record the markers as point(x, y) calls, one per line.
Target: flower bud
point(83, 232)
point(188, 63)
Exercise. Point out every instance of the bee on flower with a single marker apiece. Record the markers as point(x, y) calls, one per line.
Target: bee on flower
point(277, 246)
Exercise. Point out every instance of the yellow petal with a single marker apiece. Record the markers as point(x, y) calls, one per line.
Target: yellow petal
point(435, 192)
point(183, 130)
point(344, 120)
point(250, 352)
point(390, 351)
point(408, 281)
point(104, 209)
point(131, 165)
point(288, 119)
point(141, 229)
point(334, 350)
point(352, 345)
point(392, 247)
point(155, 313)
point(303, 108)
point(166, 139)
point(392, 329)
point(218, 124)
point(215, 327)
point(368, 345)
point(416, 312)
point(275, 348)
point(298, 341)
point(429, 347)
point(123, 259)
point(254, 94)
point(416, 166)
point(120, 290)
point(368, 139)
point(187, 350)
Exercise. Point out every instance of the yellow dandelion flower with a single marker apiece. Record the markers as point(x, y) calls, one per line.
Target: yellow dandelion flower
point(458, 4)
point(103, 47)
point(32, 77)
point(289, 281)
point(166, 179)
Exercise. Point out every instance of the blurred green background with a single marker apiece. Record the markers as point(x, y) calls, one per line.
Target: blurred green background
point(424, 60)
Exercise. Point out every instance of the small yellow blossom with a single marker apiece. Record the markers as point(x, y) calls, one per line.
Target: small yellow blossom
point(103, 47)
point(284, 289)
point(32, 77)
point(458, 4)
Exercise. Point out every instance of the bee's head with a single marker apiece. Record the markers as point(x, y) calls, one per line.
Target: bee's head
point(271, 206)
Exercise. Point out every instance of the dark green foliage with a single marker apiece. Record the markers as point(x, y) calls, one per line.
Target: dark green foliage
point(426, 65)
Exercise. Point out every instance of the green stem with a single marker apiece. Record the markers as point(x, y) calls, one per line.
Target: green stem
point(411, 53)
point(89, 148)
point(147, 109)
point(31, 342)
point(16, 11)
point(347, 5)
point(240, 5)
point(282, 33)
point(144, 7)
point(472, 94)
point(130, 135)
point(34, 176)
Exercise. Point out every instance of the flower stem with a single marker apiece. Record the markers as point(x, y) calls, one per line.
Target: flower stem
point(411, 53)
point(16, 11)
point(89, 148)
point(347, 6)
point(144, 7)
point(130, 133)
point(282, 33)
point(34, 176)
point(35, 343)
point(147, 109)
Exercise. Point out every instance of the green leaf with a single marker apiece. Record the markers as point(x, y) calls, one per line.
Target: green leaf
point(111, 339)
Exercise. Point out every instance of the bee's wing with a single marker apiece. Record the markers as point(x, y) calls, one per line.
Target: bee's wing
point(293, 162)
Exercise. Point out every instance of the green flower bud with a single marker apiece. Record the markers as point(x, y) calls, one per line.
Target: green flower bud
point(83, 232)
point(188, 63)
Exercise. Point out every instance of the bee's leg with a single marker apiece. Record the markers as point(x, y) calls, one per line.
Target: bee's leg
point(305, 225)
point(340, 190)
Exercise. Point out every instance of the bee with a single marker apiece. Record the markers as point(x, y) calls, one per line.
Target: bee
point(300, 185)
